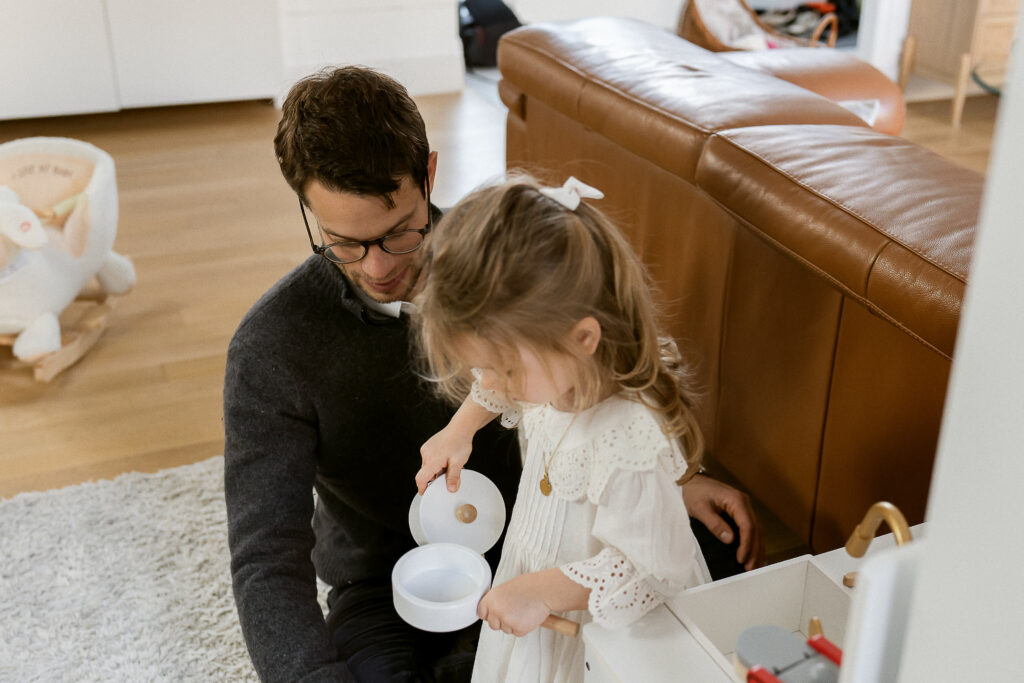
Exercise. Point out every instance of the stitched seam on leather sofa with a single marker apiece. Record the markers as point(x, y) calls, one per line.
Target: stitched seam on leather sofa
point(816, 506)
point(870, 305)
point(950, 270)
point(723, 327)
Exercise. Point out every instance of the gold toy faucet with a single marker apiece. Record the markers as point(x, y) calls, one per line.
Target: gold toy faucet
point(861, 537)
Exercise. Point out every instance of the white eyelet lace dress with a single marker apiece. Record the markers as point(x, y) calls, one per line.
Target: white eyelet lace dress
point(615, 522)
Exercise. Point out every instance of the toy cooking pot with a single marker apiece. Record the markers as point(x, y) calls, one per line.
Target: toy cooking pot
point(437, 586)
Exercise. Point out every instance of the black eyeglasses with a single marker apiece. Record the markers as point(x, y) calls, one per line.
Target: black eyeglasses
point(403, 242)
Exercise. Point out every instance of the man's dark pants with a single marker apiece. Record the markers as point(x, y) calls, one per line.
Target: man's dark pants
point(379, 647)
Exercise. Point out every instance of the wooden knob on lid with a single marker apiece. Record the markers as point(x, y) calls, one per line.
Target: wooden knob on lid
point(465, 513)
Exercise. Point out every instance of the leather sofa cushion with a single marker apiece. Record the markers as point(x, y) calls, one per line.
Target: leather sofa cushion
point(833, 74)
point(643, 88)
point(888, 222)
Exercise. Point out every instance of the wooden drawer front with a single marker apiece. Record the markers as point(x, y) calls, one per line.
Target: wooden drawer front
point(993, 40)
point(998, 6)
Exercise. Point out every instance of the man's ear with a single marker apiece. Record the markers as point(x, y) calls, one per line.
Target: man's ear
point(585, 335)
point(431, 169)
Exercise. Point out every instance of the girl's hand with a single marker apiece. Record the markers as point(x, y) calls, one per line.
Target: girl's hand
point(449, 450)
point(520, 605)
point(515, 607)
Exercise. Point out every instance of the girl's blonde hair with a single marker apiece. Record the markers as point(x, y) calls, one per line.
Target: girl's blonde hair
point(513, 267)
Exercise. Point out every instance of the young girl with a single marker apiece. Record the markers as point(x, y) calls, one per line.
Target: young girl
point(536, 307)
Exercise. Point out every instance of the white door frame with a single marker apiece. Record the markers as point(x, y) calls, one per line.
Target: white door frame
point(880, 36)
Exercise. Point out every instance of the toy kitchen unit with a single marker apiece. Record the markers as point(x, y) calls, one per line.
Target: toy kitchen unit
point(807, 600)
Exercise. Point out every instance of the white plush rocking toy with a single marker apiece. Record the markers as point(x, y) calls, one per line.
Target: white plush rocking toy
point(58, 220)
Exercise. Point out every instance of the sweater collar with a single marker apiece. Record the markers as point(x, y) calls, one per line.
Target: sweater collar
point(393, 309)
point(335, 286)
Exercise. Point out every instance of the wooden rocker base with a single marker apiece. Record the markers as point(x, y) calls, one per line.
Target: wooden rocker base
point(81, 323)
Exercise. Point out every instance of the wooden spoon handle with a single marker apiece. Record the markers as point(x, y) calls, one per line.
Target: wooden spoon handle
point(566, 627)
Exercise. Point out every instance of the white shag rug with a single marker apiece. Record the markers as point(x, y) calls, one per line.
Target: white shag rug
point(121, 580)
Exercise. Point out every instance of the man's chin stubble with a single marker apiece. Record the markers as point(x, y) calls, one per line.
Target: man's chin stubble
point(404, 295)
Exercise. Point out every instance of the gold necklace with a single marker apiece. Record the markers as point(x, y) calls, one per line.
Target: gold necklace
point(545, 482)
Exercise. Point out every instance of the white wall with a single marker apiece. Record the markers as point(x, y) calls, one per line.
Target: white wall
point(663, 13)
point(880, 35)
point(416, 41)
point(967, 619)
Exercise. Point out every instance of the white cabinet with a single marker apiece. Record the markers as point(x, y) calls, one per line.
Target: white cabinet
point(697, 631)
point(80, 56)
point(194, 50)
point(693, 637)
point(54, 59)
point(414, 41)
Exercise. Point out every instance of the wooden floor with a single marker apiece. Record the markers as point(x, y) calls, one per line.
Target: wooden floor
point(210, 225)
point(928, 125)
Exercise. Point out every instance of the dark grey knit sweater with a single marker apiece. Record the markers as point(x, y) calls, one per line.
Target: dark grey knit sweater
point(319, 391)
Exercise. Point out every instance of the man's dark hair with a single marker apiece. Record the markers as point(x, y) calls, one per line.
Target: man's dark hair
point(354, 130)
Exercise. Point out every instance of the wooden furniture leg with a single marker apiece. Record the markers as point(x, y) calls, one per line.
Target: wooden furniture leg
point(907, 61)
point(85, 334)
point(82, 322)
point(960, 95)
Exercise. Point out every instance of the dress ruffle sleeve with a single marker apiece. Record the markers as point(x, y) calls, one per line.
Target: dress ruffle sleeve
point(650, 553)
point(496, 402)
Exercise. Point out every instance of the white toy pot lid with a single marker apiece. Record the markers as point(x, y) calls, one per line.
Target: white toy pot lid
point(473, 516)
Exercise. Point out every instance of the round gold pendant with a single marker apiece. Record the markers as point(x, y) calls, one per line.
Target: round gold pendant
point(545, 485)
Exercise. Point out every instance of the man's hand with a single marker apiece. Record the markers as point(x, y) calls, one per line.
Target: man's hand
point(710, 501)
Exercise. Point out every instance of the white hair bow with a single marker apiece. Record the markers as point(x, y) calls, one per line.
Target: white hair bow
point(569, 194)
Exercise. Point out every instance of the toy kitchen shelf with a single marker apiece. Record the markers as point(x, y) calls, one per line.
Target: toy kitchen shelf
point(693, 637)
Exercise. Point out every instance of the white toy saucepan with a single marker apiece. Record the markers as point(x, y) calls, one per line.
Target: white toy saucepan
point(438, 585)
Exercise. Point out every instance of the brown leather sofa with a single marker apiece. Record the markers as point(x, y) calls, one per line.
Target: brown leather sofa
point(813, 268)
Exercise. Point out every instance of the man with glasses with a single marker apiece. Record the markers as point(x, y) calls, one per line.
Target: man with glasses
point(321, 392)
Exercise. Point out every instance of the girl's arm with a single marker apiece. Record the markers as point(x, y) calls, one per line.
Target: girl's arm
point(519, 605)
point(450, 448)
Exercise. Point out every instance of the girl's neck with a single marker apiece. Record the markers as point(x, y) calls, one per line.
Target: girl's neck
point(566, 403)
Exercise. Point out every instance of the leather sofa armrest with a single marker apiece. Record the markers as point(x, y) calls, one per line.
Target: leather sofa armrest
point(648, 90)
point(513, 98)
point(834, 74)
point(889, 223)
